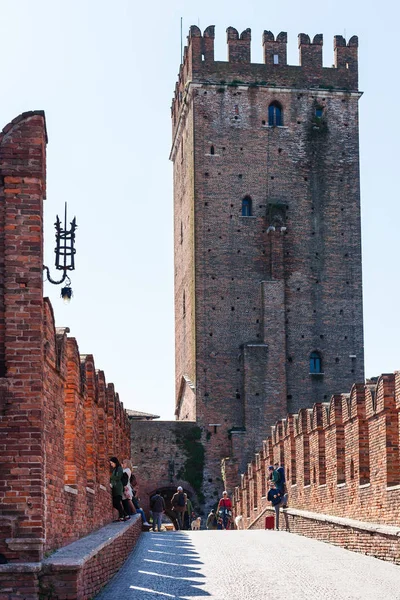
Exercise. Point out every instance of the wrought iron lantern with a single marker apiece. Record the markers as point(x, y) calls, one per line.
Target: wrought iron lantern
point(65, 255)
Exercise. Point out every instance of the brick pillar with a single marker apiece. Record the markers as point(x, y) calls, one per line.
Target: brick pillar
point(22, 457)
point(75, 443)
point(111, 433)
point(103, 466)
point(91, 421)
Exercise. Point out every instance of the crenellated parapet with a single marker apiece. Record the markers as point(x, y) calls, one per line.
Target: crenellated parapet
point(341, 457)
point(200, 67)
point(55, 460)
point(78, 415)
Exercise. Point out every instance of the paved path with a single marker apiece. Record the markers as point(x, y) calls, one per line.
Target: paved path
point(244, 565)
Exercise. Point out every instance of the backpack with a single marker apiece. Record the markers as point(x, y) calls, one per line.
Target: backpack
point(181, 499)
point(133, 480)
point(124, 479)
point(281, 472)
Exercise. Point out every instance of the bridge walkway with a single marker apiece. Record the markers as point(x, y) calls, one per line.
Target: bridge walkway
point(244, 565)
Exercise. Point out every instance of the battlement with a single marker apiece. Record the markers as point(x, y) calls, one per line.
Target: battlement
point(341, 457)
point(199, 66)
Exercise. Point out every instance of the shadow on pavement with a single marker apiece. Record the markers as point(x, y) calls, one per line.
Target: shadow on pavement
point(163, 565)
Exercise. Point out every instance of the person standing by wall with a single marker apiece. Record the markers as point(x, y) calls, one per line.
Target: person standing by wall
point(278, 477)
point(277, 500)
point(127, 491)
point(117, 488)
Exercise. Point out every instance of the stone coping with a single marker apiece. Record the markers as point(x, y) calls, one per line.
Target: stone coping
point(74, 556)
point(391, 530)
point(14, 567)
point(77, 553)
point(380, 528)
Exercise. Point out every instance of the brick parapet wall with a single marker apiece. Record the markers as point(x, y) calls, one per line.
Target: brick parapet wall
point(53, 474)
point(22, 452)
point(374, 539)
point(341, 458)
point(198, 64)
point(77, 470)
point(78, 571)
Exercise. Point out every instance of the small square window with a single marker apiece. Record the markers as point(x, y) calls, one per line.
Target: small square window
point(276, 59)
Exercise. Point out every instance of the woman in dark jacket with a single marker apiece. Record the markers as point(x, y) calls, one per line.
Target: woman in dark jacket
point(117, 488)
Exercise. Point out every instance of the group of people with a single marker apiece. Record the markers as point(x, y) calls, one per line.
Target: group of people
point(182, 510)
point(277, 493)
point(222, 518)
point(124, 496)
point(124, 490)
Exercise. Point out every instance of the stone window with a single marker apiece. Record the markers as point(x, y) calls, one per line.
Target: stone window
point(276, 59)
point(319, 112)
point(246, 207)
point(275, 115)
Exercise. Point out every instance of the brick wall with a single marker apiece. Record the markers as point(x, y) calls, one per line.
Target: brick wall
point(341, 458)
point(59, 421)
point(166, 454)
point(78, 573)
point(76, 447)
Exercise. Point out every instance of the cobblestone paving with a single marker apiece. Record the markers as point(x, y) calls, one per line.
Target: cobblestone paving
point(244, 565)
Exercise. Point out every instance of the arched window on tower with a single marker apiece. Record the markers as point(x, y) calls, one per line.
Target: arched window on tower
point(246, 207)
point(315, 363)
point(275, 115)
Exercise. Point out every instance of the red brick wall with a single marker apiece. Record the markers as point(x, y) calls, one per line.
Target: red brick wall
point(341, 458)
point(22, 449)
point(54, 443)
point(77, 450)
point(85, 578)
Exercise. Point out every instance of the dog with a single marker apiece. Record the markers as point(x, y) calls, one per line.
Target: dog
point(239, 522)
point(196, 524)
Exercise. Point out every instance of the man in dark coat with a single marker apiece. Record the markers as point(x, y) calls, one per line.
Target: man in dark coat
point(179, 505)
point(157, 505)
point(278, 500)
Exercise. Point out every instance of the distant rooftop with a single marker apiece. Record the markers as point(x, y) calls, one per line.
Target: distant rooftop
point(136, 415)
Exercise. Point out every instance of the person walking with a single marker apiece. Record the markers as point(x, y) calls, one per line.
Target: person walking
point(117, 488)
point(179, 502)
point(224, 511)
point(278, 500)
point(157, 505)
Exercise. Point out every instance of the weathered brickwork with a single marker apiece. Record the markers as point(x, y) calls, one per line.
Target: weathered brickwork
point(77, 449)
point(166, 454)
point(59, 420)
point(257, 292)
point(341, 458)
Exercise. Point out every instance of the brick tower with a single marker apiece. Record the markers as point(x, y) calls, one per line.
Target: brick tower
point(268, 288)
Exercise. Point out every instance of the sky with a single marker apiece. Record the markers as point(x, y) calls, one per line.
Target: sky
point(104, 73)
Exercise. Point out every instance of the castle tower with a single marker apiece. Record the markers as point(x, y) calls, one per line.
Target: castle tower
point(268, 288)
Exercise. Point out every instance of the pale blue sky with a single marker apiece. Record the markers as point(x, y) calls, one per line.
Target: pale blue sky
point(105, 73)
